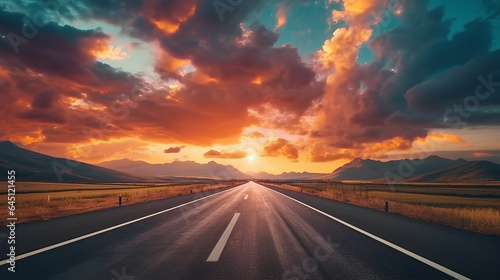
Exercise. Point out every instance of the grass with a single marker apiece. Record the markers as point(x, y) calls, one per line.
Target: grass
point(478, 213)
point(474, 208)
point(43, 201)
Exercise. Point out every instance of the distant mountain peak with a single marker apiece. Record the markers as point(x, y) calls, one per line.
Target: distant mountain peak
point(7, 144)
point(193, 169)
point(33, 166)
point(124, 160)
point(431, 168)
point(357, 162)
point(435, 157)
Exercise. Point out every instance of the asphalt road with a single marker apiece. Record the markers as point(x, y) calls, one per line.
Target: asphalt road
point(247, 232)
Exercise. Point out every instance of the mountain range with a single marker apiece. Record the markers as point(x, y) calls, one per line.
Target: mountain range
point(430, 169)
point(33, 166)
point(211, 169)
point(193, 169)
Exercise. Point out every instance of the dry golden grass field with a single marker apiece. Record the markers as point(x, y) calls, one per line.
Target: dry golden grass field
point(36, 201)
point(470, 207)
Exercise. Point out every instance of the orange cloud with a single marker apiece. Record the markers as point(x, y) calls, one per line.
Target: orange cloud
point(225, 154)
point(353, 114)
point(433, 137)
point(280, 147)
point(257, 81)
point(174, 150)
point(169, 23)
point(341, 51)
point(322, 153)
point(166, 26)
point(281, 16)
point(255, 134)
point(168, 63)
point(35, 137)
point(99, 47)
point(396, 143)
point(99, 151)
point(359, 11)
point(319, 154)
point(199, 77)
point(110, 52)
point(445, 138)
point(3, 72)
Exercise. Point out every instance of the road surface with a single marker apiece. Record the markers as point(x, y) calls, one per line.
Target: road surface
point(247, 232)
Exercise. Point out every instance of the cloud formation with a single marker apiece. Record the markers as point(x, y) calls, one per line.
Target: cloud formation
point(419, 72)
point(81, 95)
point(173, 150)
point(280, 147)
point(217, 78)
point(225, 154)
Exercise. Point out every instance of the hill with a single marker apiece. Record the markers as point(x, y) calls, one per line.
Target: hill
point(430, 169)
point(467, 171)
point(211, 169)
point(33, 166)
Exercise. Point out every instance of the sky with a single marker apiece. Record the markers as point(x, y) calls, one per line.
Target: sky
point(274, 86)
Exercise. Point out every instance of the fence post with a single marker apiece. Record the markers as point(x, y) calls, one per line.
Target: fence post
point(48, 198)
point(387, 206)
point(120, 200)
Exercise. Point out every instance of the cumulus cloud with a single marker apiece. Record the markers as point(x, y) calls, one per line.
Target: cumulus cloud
point(225, 154)
point(321, 155)
point(255, 134)
point(241, 78)
point(281, 15)
point(84, 99)
point(174, 150)
point(280, 147)
point(420, 70)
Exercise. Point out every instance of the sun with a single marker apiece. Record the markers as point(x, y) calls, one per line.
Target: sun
point(251, 158)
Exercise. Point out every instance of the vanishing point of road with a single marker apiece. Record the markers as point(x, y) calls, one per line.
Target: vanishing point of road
point(249, 231)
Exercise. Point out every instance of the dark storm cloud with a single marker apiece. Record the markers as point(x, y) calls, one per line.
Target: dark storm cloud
point(419, 71)
point(63, 51)
point(213, 46)
point(492, 8)
point(61, 89)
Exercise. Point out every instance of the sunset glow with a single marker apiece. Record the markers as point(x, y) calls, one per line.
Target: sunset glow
point(273, 86)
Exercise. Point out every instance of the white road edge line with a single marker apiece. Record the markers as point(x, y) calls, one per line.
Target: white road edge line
point(32, 253)
point(217, 251)
point(246, 196)
point(392, 245)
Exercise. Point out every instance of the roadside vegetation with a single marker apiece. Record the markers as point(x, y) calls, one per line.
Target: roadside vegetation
point(470, 207)
point(42, 201)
